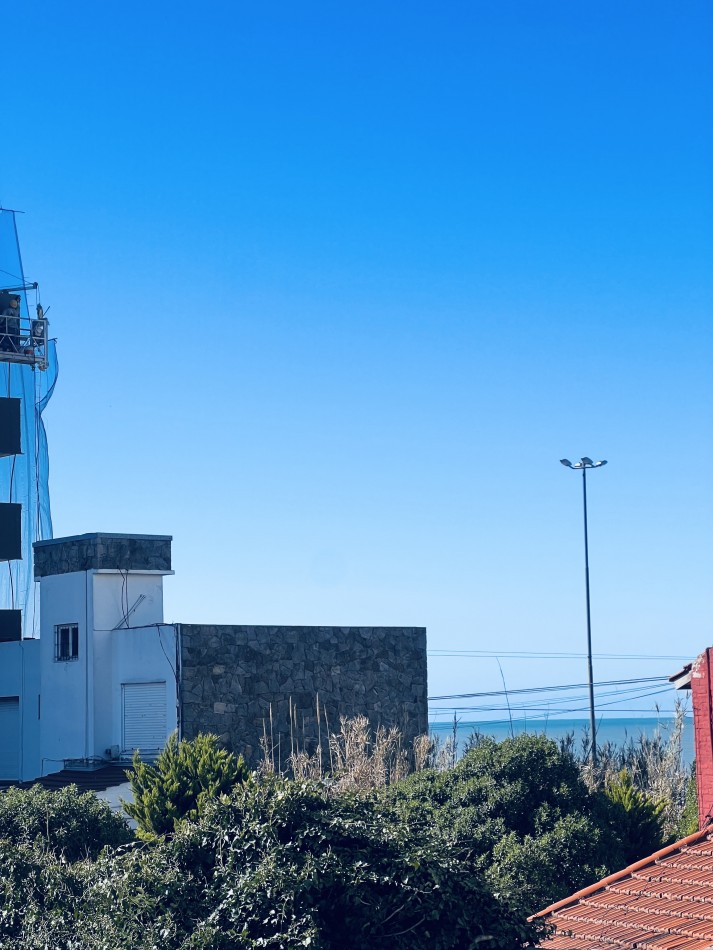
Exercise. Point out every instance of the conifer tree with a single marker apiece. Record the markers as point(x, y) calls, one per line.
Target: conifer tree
point(186, 774)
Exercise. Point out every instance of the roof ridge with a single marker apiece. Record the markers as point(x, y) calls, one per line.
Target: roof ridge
point(625, 872)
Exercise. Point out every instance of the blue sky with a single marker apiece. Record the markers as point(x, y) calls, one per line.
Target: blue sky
point(335, 287)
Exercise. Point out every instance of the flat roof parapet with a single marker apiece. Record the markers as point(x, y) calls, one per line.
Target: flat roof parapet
point(102, 550)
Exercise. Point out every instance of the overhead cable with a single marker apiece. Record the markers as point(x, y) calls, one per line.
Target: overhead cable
point(541, 655)
point(551, 689)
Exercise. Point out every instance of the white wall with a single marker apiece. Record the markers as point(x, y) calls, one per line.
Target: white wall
point(126, 655)
point(20, 676)
point(66, 686)
point(114, 591)
point(146, 655)
point(82, 698)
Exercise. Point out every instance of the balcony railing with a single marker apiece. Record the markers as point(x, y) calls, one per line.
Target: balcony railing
point(23, 340)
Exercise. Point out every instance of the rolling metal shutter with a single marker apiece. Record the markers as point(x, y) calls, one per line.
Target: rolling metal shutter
point(9, 737)
point(144, 714)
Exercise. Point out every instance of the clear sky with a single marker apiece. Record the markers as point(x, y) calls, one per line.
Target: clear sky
point(336, 285)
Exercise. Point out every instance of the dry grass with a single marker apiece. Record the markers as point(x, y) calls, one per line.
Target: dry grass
point(654, 762)
point(356, 758)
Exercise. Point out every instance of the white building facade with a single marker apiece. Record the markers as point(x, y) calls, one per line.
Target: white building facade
point(108, 676)
point(102, 680)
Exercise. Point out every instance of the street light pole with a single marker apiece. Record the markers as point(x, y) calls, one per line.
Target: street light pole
point(584, 464)
point(592, 720)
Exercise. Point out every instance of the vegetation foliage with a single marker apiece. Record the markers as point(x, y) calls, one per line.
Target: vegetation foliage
point(278, 863)
point(688, 820)
point(521, 811)
point(362, 855)
point(68, 823)
point(184, 777)
point(638, 819)
point(654, 762)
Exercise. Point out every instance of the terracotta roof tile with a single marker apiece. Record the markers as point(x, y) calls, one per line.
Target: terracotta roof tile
point(664, 902)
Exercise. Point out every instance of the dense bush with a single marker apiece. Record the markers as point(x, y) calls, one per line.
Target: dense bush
point(450, 858)
point(38, 895)
point(278, 864)
point(345, 872)
point(688, 821)
point(185, 776)
point(638, 819)
point(68, 822)
point(655, 763)
point(522, 813)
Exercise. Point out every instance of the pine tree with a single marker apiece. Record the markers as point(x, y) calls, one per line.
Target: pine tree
point(185, 775)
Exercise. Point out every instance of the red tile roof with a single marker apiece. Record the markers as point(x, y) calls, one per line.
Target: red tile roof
point(664, 902)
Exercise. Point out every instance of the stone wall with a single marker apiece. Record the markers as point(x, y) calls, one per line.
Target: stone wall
point(97, 551)
point(234, 677)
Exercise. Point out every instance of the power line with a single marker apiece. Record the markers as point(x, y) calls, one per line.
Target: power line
point(537, 655)
point(485, 723)
point(549, 689)
point(547, 708)
point(626, 695)
point(549, 711)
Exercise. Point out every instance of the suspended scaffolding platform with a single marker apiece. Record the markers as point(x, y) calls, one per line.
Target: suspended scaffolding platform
point(22, 339)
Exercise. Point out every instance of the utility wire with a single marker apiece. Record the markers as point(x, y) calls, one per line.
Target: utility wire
point(538, 655)
point(552, 689)
point(553, 712)
point(621, 695)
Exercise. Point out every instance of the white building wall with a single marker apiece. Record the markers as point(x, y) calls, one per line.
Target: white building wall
point(83, 697)
point(146, 655)
point(116, 594)
point(20, 676)
point(67, 693)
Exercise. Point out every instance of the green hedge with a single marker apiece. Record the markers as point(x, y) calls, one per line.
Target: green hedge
point(67, 822)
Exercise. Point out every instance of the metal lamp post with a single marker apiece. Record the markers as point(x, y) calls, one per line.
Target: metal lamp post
point(584, 464)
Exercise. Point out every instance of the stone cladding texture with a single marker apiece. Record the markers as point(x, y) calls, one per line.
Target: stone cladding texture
point(233, 677)
point(102, 551)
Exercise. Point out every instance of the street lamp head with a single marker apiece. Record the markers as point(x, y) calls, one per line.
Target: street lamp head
point(584, 462)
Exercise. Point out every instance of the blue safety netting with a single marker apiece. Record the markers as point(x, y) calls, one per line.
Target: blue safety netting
point(25, 478)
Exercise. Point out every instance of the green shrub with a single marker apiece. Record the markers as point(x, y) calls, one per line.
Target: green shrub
point(185, 776)
point(277, 864)
point(289, 864)
point(522, 811)
point(68, 822)
point(655, 763)
point(636, 817)
point(347, 872)
point(38, 894)
point(688, 822)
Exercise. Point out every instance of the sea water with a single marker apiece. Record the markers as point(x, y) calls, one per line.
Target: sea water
point(616, 731)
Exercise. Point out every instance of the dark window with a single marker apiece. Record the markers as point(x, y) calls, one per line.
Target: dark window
point(66, 641)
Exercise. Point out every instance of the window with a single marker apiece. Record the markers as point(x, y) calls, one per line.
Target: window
point(66, 641)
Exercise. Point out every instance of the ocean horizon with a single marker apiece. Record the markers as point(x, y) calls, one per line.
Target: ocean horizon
point(618, 731)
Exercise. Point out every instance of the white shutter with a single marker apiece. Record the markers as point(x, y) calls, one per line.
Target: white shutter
point(9, 737)
point(144, 714)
